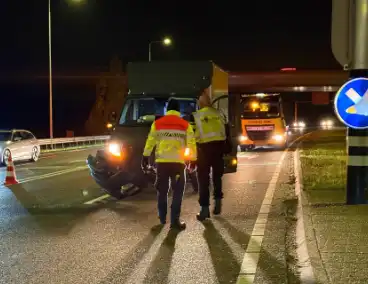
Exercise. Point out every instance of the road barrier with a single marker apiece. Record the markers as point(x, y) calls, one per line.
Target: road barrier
point(71, 142)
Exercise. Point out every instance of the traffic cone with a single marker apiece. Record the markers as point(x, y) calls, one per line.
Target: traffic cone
point(10, 178)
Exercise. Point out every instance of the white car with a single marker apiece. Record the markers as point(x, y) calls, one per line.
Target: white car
point(21, 144)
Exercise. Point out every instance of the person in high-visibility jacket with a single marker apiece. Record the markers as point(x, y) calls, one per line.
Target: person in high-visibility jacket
point(212, 140)
point(175, 144)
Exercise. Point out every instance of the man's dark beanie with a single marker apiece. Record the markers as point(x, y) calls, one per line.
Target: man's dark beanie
point(173, 105)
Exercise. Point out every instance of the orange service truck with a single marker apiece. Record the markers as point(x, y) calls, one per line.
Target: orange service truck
point(262, 122)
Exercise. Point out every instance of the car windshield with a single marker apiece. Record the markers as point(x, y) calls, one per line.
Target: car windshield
point(260, 108)
point(5, 135)
point(146, 110)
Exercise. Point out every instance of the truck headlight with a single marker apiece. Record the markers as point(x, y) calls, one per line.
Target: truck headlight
point(115, 149)
point(278, 137)
point(243, 138)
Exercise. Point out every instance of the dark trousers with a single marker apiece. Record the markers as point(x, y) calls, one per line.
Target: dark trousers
point(193, 180)
point(170, 174)
point(210, 156)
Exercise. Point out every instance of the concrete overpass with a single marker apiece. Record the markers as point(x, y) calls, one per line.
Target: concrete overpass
point(281, 81)
point(287, 81)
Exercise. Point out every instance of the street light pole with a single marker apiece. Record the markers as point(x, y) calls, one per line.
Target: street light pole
point(50, 78)
point(166, 41)
point(149, 50)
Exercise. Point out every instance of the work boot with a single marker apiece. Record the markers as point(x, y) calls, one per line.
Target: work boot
point(218, 205)
point(203, 214)
point(178, 225)
point(162, 215)
point(162, 220)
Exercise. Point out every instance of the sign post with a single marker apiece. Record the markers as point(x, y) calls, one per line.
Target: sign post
point(351, 104)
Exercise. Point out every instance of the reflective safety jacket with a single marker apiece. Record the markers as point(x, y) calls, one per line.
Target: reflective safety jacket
point(174, 140)
point(210, 125)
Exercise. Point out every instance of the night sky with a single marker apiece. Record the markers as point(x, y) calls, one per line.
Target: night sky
point(257, 35)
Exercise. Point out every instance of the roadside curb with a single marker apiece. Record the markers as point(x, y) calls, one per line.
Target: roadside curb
point(314, 256)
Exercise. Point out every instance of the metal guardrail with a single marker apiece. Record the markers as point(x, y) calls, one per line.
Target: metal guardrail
point(72, 142)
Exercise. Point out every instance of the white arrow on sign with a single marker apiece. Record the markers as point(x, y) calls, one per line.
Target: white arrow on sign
point(360, 106)
point(354, 96)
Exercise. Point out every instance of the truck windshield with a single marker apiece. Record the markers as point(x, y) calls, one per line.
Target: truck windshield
point(146, 110)
point(260, 108)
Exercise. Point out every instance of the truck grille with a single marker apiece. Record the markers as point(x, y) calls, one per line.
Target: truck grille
point(259, 133)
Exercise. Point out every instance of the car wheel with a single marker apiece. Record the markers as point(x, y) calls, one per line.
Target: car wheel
point(5, 157)
point(35, 154)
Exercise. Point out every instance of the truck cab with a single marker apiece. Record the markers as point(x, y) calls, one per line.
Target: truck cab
point(262, 122)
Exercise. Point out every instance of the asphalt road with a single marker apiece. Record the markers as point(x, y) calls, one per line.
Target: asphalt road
point(48, 235)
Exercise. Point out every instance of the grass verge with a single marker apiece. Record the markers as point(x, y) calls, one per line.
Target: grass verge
point(323, 160)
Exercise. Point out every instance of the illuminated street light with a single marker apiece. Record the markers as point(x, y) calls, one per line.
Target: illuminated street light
point(166, 41)
point(50, 70)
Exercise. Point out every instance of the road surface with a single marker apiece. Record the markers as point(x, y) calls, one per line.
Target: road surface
point(49, 235)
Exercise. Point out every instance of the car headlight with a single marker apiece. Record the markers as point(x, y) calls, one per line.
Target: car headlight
point(329, 122)
point(301, 124)
point(115, 149)
point(243, 138)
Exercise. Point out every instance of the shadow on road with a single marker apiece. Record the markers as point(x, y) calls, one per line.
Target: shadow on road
point(226, 266)
point(160, 266)
point(54, 219)
point(128, 265)
point(269, 268)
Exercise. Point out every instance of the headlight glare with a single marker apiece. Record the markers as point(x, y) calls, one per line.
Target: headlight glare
point(243, 138)
point(278, 137)
point(115, 149)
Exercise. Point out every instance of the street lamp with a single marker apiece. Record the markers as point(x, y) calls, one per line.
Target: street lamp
point(166, 41)
point(50, 71)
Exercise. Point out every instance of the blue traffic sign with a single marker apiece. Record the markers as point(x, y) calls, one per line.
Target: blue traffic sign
point(351, 103)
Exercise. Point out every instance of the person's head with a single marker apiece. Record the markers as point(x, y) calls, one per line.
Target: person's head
point(173, 105)
point(204, 99)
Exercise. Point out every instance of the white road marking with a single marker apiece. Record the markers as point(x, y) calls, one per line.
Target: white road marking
point(305, 266)
point(45, 168)
point(251, 257)
point(105, 196)
point(53, 174)
point(247, 156)
point(257, 165)
point(252, 157)
point(97, 199)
